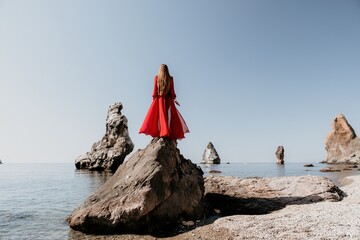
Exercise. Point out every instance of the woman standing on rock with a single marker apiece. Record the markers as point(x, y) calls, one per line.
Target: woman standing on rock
point(163, 119)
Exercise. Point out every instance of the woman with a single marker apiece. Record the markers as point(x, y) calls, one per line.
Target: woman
point(163, 119)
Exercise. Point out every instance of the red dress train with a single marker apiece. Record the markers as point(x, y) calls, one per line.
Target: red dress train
point(162, 118)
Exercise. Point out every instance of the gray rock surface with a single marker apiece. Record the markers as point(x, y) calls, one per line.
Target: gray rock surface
point(210, 155)
point(280, 155)
point(263, 195)
point(342, 144)
point(111, 150)
point(154, 188)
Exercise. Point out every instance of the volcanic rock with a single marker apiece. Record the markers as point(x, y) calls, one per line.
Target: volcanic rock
point(263, 195)
point(111, 150)
point(280, 155)
point(156, 187)
point(210, 155)
point(342, 144)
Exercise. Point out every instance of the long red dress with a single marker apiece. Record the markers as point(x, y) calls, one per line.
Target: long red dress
point(162, 118)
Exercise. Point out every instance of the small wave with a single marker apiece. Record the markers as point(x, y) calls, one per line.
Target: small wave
point(19, 216)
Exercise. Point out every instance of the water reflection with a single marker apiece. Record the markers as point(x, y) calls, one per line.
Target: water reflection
point(280, 169)
point(244, 170)
point(95, 178)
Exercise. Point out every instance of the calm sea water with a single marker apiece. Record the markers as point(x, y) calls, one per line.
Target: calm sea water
point(36, 199)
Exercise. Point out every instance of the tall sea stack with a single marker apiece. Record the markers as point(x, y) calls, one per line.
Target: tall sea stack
point(280, 155)
point(111, 150)
point(342, 144)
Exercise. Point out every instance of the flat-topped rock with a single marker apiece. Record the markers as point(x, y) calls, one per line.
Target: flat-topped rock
point(155, 188)
point(262, 195)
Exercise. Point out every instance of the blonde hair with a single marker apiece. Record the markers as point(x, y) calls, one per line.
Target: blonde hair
point(163, 80)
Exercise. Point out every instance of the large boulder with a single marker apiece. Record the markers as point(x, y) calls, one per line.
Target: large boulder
point(342, 144)
point(256, 195)
point(111, 150)
point(210, 155)
point(156, 187)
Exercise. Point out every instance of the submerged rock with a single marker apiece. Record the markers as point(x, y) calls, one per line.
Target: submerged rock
point(309, 165)
point(111, 150)
point(329, 169)
point(156, 187)
point(342, 144)
point(280, 155)
point(262, 195)
point(210, 155)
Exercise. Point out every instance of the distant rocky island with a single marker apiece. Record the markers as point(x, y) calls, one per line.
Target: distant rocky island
point(0, 161)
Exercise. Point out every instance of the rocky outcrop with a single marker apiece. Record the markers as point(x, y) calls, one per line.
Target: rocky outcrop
point(280, 155)
point(111, 150)
point(233, 195)
point(156, 187)
point(342, 144)
point(210, 155)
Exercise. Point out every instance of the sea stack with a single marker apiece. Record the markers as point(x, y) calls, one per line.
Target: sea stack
point(111, 150)
point(342, 144)
point(280, 155)
point(154, 189)
point(210, 155)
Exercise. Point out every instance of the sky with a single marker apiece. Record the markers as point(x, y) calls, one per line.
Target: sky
point(249, 75)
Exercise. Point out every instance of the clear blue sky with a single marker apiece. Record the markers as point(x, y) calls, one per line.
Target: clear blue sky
point(250, 75)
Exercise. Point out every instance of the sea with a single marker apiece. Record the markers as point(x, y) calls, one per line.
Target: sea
point(36, 199)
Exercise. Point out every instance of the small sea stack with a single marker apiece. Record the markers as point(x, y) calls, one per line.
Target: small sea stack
point(210, 155)
point(309, 165)
point(280, 155)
